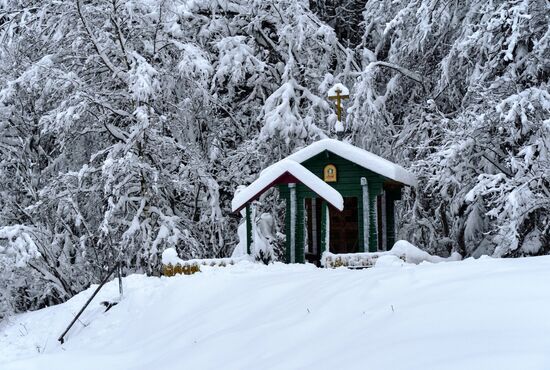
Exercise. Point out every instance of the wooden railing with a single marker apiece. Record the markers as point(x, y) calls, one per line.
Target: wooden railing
point(353, 260)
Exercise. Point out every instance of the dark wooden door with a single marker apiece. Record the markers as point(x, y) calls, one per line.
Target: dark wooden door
point(344, 227)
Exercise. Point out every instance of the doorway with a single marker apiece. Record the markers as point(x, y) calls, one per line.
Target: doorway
point(344, 227)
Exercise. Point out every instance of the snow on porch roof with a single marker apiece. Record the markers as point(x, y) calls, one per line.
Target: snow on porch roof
point(270, 175)
point(356, 155)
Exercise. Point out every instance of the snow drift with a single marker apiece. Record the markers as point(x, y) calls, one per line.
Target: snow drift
point(473, 314)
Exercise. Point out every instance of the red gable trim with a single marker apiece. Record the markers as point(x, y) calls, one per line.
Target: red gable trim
point(285, 178)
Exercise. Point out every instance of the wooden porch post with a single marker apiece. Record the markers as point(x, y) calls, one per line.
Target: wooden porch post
point(314, 247)
point(366, 211)
point(293, 210)
point(375, 234)
point(384, 235)
point(325, 228)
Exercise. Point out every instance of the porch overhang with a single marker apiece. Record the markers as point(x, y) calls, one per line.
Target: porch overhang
point(286, 171)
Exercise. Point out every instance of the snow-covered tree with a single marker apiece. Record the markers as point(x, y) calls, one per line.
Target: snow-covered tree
point(125, 127)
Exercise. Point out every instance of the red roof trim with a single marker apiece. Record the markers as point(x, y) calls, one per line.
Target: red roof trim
point(285, 178)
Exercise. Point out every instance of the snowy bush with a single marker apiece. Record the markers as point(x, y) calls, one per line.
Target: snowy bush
point(266, 240)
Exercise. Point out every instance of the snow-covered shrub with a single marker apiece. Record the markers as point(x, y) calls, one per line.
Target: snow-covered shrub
point(264, 239)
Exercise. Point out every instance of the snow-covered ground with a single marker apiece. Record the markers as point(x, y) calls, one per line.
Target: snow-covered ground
point(473, 314)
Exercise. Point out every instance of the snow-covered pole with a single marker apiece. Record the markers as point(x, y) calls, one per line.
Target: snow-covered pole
point(61, 338)
point(384, 235)
point(253, 207)
point(293, 209)
point(366, 210)
point(327, 228)
point(314, 247)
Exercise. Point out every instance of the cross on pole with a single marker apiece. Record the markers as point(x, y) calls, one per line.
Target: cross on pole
point(338, 101)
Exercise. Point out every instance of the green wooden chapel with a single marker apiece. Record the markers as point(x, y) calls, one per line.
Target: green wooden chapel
point(339, 198)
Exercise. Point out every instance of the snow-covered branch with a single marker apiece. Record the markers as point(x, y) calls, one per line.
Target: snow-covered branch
point(97, 47)
point(404, 71)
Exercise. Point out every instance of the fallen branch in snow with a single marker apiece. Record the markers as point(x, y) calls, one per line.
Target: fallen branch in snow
point(108, 305)
point(61, 338)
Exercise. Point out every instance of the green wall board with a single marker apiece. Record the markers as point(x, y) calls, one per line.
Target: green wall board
point(248, 229)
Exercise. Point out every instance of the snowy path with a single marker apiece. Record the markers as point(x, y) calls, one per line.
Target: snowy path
point(475, 314)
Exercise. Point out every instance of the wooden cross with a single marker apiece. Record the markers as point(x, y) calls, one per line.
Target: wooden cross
point(338, 99)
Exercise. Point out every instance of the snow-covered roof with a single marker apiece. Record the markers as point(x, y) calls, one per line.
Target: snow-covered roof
point(270, 175)
point(358, 156)
point(343, 90)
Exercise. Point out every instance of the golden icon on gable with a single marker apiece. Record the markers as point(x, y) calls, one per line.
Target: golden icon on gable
point(329, 173)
